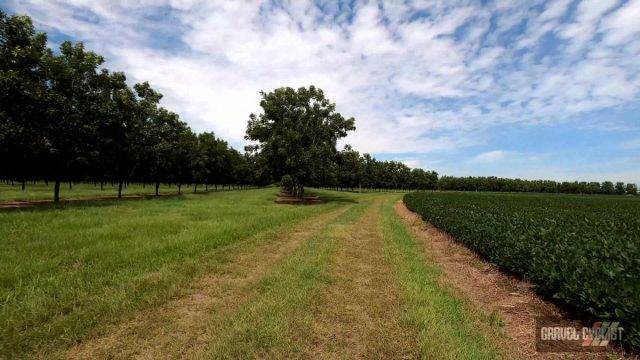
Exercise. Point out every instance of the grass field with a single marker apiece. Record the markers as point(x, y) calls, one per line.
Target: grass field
point(42, 191)
point(228, 275)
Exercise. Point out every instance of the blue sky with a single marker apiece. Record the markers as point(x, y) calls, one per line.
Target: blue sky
point(530, 89)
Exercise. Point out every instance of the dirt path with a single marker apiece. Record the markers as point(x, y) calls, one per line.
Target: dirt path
point(491, 290)
point(177, 329)
point(361, 315)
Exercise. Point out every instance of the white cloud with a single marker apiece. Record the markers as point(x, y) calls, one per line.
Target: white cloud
point(630, 144)
point(554, 10)
point(489, 156)
point(583, 28)
point(623, 25)
point(413, 163)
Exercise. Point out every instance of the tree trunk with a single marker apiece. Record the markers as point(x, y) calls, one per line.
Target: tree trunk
point(56, 192)
point(101, 186)
point(120, 189)
point(23, 185)
point(206, 187)
point(70, 185)
point(195, 188)
point(157, 187)
point(179, 189)
point(215, 187)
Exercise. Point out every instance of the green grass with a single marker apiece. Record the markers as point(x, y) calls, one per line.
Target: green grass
point(66, 273)
point(71, 275)
point(42, 191)
point(276, 323)
point(448, 326)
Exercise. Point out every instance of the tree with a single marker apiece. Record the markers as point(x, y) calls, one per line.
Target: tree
point(22, 98)
point(620, 188)
point(632, 189)
point(607, 187)
point(349, 168)
point(121, 131)
point(297, 134)
point(212, 151)
point(151, 127)
point(161, 141)
point(70, 131)
point(185, 157)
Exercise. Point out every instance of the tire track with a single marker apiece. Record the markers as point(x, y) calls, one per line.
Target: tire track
point(362, 312)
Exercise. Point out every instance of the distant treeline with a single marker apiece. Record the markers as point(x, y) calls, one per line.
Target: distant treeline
point(492, 183)
point(355, 171)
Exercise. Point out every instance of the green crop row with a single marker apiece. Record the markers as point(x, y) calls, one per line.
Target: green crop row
point(583, 251)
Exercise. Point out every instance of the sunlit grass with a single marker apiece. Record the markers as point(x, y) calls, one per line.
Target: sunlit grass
point(44, 191)
point(67, 272)
point(75, 273)
point(448, 326)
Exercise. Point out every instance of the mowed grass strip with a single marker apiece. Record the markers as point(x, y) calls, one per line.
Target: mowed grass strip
point(448, 326)
point(276, 322)
point(178, 328)
point(66, 274)
point(361, 312)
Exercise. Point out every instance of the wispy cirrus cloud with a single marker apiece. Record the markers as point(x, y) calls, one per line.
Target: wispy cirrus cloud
point(630, 144)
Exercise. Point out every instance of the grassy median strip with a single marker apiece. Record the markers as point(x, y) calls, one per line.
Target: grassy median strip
point(360, 315)
point(276, 322)
point(448, 326)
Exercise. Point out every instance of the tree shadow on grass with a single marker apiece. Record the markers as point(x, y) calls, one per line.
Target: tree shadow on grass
point(332, 197)
point(88, 203)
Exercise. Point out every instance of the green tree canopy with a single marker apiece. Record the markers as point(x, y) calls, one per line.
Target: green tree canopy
point(297, 134)
point(22, 95)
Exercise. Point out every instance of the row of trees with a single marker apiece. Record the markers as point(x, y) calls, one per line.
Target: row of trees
point(355, 171)
point(64, 118)
point(492, 183)
point(364, 172)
